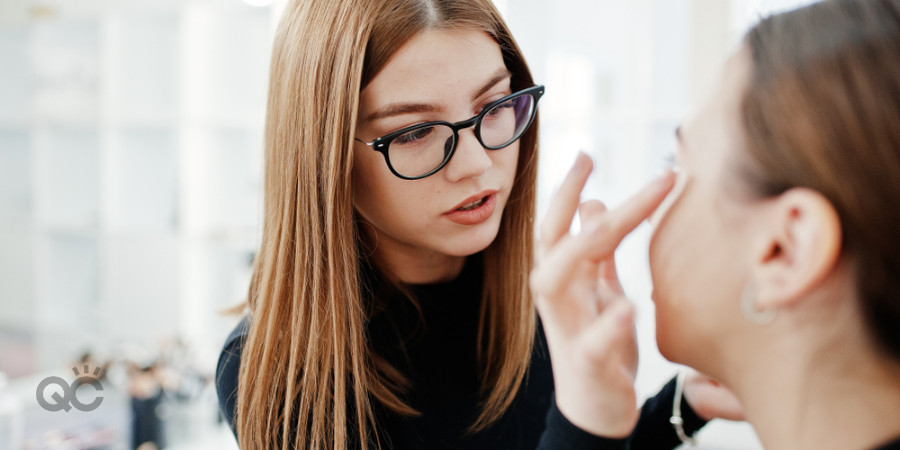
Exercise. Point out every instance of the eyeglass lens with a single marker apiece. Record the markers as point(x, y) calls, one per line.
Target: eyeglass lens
point(422, 150)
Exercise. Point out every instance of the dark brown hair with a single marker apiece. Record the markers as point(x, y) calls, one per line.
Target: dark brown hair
point(822, 111)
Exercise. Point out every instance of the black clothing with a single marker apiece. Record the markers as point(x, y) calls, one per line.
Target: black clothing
point(146, 425)
point(893, 445)
point(436, 349)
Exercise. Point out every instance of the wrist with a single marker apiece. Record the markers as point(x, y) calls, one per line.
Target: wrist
point(596, 420)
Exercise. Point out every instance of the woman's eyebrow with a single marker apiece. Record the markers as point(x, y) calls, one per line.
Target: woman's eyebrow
point(499, 76)
point(396, 109)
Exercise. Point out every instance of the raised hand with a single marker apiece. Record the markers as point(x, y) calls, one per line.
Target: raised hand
point(588, 322)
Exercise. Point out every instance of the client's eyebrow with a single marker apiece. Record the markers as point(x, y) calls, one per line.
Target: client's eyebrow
point(679, 137)
point(396, 109)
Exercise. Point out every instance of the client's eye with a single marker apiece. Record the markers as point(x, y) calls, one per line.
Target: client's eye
point(672, 161)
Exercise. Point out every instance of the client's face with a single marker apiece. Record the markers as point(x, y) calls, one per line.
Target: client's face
point(699, 253)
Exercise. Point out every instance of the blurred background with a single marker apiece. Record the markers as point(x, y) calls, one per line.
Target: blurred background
point(131, 175)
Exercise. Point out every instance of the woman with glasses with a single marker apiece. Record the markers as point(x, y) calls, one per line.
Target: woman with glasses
point(776, 257)
point(389, 305)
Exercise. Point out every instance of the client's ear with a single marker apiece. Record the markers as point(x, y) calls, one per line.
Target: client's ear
point(801, 246)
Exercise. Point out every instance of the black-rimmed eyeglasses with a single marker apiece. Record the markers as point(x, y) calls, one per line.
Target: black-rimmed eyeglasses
point(421, 150)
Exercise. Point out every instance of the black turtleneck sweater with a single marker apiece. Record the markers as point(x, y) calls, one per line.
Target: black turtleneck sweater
point(436, 351)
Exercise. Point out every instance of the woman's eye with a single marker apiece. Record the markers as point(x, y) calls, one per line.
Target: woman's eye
point(413, 136)
point(497, 109)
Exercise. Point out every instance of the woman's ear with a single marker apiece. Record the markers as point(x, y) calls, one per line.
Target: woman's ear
point(801, 246)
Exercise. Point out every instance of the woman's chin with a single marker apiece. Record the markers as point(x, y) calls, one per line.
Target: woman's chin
point(471, 243)
point(470, 248)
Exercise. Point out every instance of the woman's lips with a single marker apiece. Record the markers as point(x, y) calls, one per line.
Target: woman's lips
point(474, 210)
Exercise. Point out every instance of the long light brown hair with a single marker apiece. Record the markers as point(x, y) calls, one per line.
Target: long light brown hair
point(822, 111)
point(307, 371)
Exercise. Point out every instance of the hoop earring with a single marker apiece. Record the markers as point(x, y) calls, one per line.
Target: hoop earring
point(748, 308)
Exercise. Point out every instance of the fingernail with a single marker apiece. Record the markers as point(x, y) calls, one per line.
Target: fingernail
point(581, 161)
point(664, 177)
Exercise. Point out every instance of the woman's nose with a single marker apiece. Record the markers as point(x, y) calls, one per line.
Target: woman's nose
point(470, 159)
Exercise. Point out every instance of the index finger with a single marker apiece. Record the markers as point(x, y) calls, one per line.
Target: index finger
point(565, 202)
point(605, 234)
point(599, 241)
